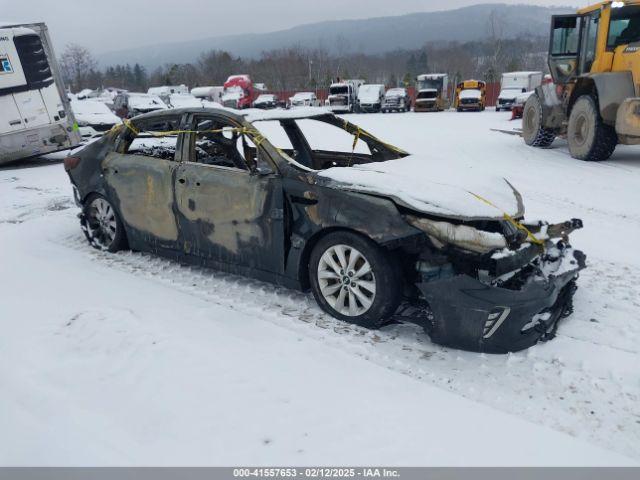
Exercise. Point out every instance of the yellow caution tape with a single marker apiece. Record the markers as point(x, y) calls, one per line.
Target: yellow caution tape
point(530, 236)
point(256, 136)
point(360, 132)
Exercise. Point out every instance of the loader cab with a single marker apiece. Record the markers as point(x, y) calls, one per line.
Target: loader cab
point(587, 42)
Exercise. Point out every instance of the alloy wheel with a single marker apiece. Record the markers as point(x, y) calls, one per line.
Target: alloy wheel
point(101, 223)
point(346, 280)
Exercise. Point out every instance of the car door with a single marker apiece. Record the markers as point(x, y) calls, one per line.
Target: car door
point(139, 178)
point(228, 210)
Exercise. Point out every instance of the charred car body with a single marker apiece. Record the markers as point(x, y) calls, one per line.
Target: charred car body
point(219, 193)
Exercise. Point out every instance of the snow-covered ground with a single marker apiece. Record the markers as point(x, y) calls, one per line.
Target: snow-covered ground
point(128, 359)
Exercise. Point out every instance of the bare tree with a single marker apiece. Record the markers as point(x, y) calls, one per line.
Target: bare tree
point(495, 40)
point(77, 63)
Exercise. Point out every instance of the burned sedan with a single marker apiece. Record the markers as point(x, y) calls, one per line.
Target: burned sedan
point(374, 232)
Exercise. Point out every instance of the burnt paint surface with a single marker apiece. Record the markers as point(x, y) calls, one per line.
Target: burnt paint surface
point(230, 215)
point(142, 187)
point(238, 221)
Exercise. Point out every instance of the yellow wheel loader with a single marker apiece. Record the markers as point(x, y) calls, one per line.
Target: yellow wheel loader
point(594, 59)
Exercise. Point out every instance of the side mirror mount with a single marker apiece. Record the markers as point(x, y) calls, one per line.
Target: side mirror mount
point(262, 167)
point(263, 170)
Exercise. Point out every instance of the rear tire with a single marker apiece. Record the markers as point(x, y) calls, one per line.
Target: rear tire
point(101, 224)
point(354, 280)
point(588, 137)
point(533, 132)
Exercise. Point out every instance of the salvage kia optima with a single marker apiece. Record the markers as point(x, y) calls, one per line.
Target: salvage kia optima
point(372, 230)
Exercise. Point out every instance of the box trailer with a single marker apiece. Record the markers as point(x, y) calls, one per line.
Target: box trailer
point(35, 114)
point(515, 83)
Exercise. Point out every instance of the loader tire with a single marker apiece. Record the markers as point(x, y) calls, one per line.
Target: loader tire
point(588, 136)
point(534, 134)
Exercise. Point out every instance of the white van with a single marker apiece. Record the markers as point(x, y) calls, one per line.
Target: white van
point(514, 84)
point(370, 97)
point(35, 115)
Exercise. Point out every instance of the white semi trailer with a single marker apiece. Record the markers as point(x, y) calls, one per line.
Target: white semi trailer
point(35, 115)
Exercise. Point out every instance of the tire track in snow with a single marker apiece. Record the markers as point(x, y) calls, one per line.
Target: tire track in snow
point(542, 385)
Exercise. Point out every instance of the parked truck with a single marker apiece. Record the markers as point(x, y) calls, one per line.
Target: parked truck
point(35, 114)
point(432, 92)
point(239, 92)
point(343, 96)
point(513, 84)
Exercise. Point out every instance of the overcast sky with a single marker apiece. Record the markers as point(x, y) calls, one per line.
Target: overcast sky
point(104, 26)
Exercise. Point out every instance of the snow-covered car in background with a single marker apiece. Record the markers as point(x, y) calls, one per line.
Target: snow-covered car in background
point(266, 101)
point(130, 104)
point(396, 100)
point(94, 118)
point(304, 99)
point(451, 249)
point(370, 98)
point(184, 100)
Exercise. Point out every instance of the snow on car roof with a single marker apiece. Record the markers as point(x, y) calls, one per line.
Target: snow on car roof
point(89, 107)
point(309, 112)
point(144, 100)
point(396, 91)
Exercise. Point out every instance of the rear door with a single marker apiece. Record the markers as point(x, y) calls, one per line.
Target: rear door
point(10, 119)
point(227, 211)
point(32, 108)
point(140, 179)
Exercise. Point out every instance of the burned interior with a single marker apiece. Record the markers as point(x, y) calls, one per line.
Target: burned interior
point(258, 195)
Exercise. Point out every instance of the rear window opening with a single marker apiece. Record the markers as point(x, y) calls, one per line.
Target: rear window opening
point(325, 142)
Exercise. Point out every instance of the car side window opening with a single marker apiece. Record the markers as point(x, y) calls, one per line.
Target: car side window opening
point(152, 140)
point(327, 141)
point(220, 144)
point(624, 27)
point(323, 136)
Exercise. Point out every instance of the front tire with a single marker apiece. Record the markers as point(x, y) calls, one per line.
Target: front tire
point(101, 224)
point(354, 280)
point(588, 137)
point(533, 131)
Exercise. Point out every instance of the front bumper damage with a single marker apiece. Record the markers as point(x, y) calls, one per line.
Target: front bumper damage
point(472, 315)
point(504, 300)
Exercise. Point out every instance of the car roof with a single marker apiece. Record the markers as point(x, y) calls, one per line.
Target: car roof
point(181, 111)
point(250, 115)
point(293, 114)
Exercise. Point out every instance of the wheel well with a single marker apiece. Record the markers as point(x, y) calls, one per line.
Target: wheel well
point(303, 266)
point(584, 86)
